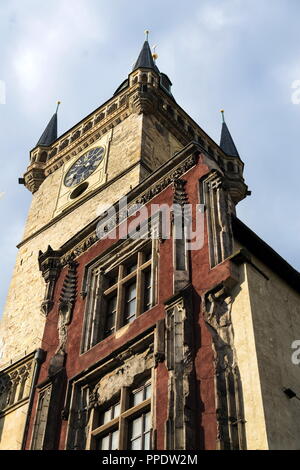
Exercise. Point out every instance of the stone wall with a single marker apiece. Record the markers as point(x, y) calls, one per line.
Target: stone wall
point(266, 319)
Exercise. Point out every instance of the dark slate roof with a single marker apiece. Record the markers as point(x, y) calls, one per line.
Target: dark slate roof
point(255, 245)
point(145, 59)
point(226, 143)
point(50, 133)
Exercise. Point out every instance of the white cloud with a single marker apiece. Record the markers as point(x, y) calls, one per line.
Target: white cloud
point(44, 48)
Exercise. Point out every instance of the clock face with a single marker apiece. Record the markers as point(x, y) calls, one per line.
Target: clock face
point(84, 166)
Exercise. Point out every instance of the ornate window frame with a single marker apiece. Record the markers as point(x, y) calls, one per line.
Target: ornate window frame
point(94, 281)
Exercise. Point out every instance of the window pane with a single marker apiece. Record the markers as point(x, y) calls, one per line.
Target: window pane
point(116, 410)
point(138, 397)
point(131, 307)
point(110, 316)
point(130, 266)
point(147, 290)
point(104, 443)
point(147, 391)
point(147, 441)
point(147, 421)
point(130, 303)
point(147, 254)
point(111, 304)
point(136, 427)
point(115, 440)
point(136, 444)
point(131, 291)
point(112, 277)
point(109, 414)
point(106, 417)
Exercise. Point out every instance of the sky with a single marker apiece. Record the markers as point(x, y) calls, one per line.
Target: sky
point(240, 55)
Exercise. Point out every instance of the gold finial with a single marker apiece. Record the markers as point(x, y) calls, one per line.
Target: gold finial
point(58, 103)
point(147, 33)
point(222, 112)
point(154, 54)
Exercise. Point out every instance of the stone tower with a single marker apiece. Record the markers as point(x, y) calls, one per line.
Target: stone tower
point(139, 129)
point(145, 343)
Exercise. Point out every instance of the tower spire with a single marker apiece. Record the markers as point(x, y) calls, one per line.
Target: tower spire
point(145, 58)
point(50, 133)
point(226, 143)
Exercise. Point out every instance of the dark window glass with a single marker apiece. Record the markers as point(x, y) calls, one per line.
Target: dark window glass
point(139, 432)
point(147, 290)
point(110, 316)
point(130, 303)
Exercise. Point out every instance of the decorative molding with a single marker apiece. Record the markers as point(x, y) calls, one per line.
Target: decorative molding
point(180, 195)
point(143, 103)
point(66, 304)
point(15, 384)
point(217, 201)
point(228, 388)
point(181, 222)
point(34, 176)
point(49, 263)
point(180, 425)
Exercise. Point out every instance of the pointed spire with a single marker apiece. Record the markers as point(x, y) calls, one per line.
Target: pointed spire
point(50, 133)
point(145, 59)
point(227, 143)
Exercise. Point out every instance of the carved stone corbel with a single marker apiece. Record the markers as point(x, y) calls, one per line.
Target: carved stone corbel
point(143, 102)
point(49, 263)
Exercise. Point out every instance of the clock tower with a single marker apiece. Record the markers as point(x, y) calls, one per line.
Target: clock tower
point(97, 161)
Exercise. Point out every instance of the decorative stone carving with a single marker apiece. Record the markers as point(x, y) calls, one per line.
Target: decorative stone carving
point(228, 390)
point(180, 196)
point(49, 263)
point(34, 176)
point(15, 384)
point(181, 222)
point(218, 207)
point(180, 433)
point(133, 365)
point(66, 303)
point(143, 102)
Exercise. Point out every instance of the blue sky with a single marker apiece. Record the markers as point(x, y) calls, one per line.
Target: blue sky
point(240, 55)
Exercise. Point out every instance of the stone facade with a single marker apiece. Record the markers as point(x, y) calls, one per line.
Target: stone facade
point(212, 327)
point(265, 315)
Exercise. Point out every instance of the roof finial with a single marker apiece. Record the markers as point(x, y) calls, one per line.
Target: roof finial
point(57, 106)
point(223, 117)
point(147, 34)
point(154, 53)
